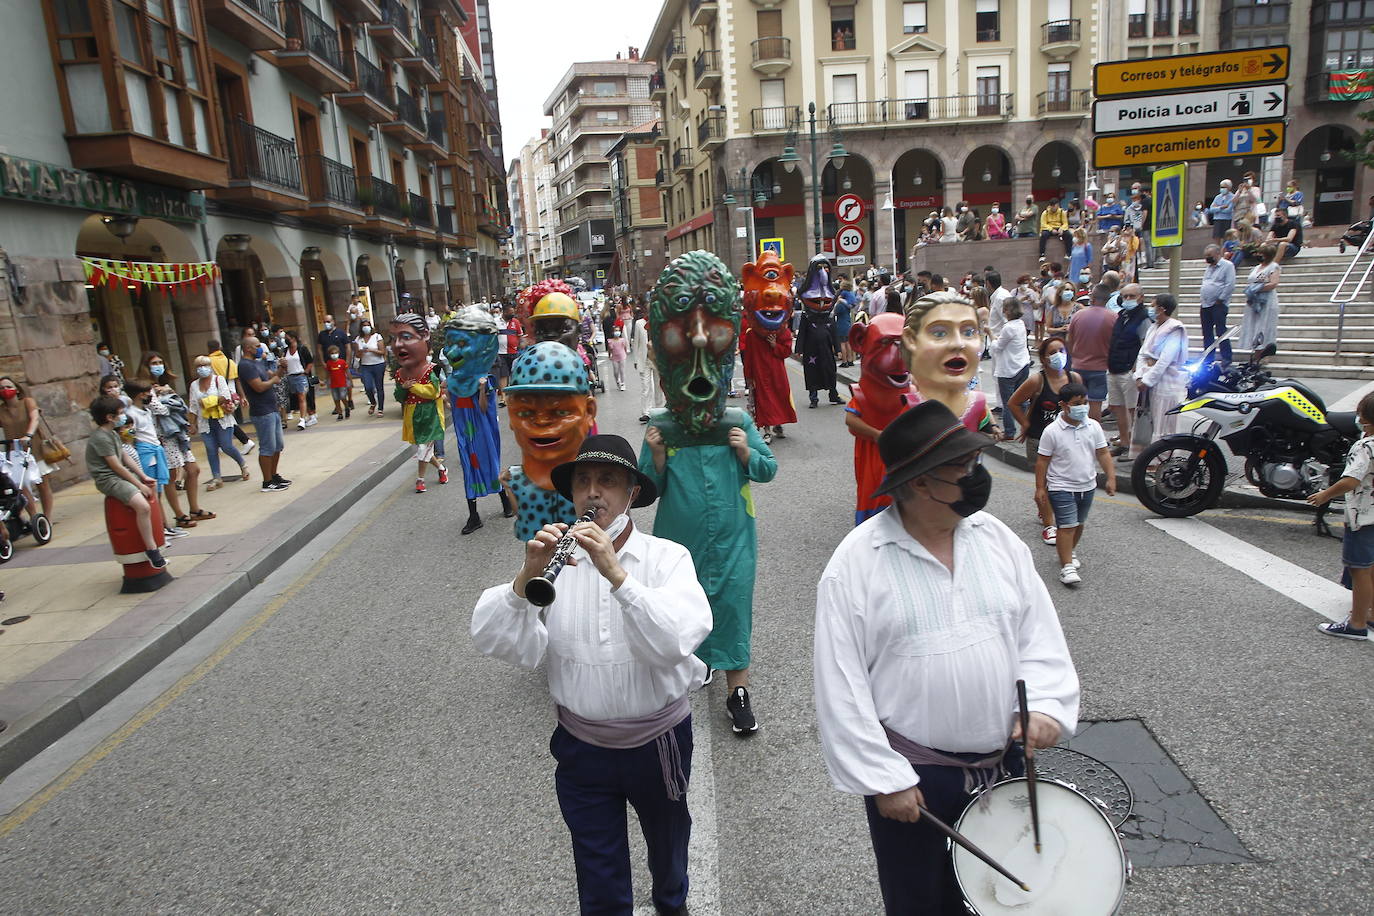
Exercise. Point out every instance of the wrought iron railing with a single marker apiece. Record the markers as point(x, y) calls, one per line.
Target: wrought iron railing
point(429, 50)
point(420, 212)
point(330, 181)
point(438, 128)
point(1135, 25)
point(409, 110)
point(939, 108)
point(711, 129)
point(382, 196)
point(676, 47)
point(260, 156)
point(1055, 101)
point(778, 117)
point(312, 33)
point(682, 159)
point(370, 79)
point(395, 15)
point(657, 81)
point(443, 219)
point(1164, 27)
point(772, 48)
point(1060, 30)
point(267, 9)
point(705, 61)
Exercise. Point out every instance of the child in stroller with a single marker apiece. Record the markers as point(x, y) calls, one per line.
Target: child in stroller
point(12, 503)
point(1358, 232)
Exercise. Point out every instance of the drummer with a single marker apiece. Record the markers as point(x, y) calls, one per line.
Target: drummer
point(926, 616)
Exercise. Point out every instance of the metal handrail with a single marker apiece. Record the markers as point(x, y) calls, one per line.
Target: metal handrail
point(409, 110)
point(420, 213)
point(395, 15)
point(267, 9)
point(1336, 299)
point(261, 156)
point(314, 34)
point(370, 78)
point(331, 181)
point(381, 195)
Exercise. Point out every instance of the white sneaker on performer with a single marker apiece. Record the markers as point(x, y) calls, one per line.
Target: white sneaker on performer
point(1069, 575)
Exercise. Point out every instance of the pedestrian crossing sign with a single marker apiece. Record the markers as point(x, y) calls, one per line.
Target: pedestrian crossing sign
point(774, 245)
point(1170, 186)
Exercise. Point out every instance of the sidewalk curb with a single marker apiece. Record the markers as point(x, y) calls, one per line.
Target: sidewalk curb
point(29, 735)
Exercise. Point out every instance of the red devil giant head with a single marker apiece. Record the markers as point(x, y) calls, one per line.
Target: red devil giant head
point(767, 286)
point(885, 383)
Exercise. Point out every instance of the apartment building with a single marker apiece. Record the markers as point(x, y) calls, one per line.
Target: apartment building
point(591, 106)
point(636, 171)
point(550, 252)
point(174, 171)
point(518, 248)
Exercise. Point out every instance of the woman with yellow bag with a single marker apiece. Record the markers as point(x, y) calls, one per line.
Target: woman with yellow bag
point(211, 399)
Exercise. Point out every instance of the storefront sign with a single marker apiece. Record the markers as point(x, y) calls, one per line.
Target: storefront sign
point(915, 203)
point(43, 183)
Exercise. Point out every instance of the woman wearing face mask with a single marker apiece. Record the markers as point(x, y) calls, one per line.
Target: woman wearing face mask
point(210, 401)
point(1160, 369)
point(1064, 308)
point(109, 363)
point(1041, 389)
point(996, 224)
point(20, 420)
point(173, 423)
point(1260, 326)
point(371, 350)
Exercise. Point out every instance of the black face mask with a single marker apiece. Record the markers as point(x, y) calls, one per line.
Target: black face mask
point(975, 488)
point(1211, 260)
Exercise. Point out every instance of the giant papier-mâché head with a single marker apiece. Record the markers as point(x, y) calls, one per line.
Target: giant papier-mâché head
point(470, 344)
point(815, 290)
point(694, 318)
point(767, 286)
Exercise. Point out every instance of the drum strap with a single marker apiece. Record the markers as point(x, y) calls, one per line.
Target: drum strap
point(979, 772)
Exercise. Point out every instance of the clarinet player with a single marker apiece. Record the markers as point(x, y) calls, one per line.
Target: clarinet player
point(619, 636)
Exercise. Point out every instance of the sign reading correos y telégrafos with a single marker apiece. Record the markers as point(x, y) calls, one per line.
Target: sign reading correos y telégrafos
point(45, 183)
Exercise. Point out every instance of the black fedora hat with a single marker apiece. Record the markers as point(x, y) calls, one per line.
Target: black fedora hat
point(920, 440)
point(605, 449)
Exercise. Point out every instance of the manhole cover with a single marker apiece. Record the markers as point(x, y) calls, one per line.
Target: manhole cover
point(13, 620)
point(1171, 823)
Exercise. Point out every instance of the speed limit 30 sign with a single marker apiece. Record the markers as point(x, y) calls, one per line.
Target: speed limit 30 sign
point(849, 240)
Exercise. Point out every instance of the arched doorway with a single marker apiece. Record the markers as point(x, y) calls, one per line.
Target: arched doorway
point(918, 186)
point(856, 177)
point(315, 282)
point(1056, 171)
point(783, 213)
point(987, 179)
point(245, 266)
point(1326, 176)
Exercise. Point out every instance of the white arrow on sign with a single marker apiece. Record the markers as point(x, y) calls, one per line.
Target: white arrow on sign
point(1181, 109)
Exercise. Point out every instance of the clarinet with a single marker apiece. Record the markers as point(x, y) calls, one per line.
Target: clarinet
point(539, 591)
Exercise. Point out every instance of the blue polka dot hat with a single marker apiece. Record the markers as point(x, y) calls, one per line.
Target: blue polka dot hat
point(548, 366)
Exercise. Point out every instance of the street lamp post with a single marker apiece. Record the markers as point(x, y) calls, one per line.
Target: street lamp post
point(755, 194)
point(835, 157)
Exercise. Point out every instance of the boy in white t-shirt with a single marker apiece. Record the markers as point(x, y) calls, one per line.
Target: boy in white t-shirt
point(1357, 547)
point(1072, 448)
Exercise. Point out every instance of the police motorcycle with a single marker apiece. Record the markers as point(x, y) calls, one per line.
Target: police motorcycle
point(1290, 444)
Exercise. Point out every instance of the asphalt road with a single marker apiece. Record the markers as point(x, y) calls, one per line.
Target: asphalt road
point(334, 745)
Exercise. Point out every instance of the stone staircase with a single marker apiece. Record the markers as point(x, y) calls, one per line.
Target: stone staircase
point(1307, 320)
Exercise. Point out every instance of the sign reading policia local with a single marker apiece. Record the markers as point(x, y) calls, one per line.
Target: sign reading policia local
point(1236, 101)
point(44, 183)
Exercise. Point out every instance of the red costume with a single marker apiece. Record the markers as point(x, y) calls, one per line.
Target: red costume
point(883, 392)
point(766, 341)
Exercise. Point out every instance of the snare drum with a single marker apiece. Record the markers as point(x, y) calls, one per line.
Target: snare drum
point(1081, 869)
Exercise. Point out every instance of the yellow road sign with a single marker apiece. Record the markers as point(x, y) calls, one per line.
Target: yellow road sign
point(1256, 138)
point(1170, 187)
point(1190, 71)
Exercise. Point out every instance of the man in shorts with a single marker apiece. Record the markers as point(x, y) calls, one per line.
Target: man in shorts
point(258, 386)
point(118, 476)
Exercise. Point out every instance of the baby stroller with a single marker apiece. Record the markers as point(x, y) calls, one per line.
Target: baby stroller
point(593, 376)
point(12, 502)
point(1355, 235)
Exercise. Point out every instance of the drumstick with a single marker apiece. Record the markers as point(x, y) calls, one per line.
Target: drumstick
point(968, 844)
point(1030, 760)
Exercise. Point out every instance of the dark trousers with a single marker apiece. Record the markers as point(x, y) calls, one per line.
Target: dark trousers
point(1006, 387)
point(239, 432)
point(1214, 326)
point(915, 869)
point(1064, 237)
point(593, 785)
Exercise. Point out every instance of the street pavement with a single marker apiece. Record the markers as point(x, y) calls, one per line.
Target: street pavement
point(334, 745)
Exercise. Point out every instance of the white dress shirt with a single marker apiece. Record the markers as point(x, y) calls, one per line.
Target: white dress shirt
point(1009, 353)
point(613, 654)
point(934, 656)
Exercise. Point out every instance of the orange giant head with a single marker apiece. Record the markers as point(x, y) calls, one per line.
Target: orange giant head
point(767, 286)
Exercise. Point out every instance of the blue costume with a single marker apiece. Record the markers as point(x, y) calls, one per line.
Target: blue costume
point(470, 343)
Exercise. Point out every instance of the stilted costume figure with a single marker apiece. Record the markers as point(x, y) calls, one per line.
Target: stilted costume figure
point(702, 456)
point(551, 411)
point(418, 391)
point(817, 344)
point(470, 343)
point(766, 342)
point(942, 343)
point(883, 392)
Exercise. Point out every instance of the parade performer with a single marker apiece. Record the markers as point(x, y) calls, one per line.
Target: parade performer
point(556, 317)
point(883, 392)
point(916, 662)
point(418, 390)
point(702, 456)
point(470, 344)
point(766, 342)
point(627, 612)
point(551, 411)
point(816, 342)
point(943, 341)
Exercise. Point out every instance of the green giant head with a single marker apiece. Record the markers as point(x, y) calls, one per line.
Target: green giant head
point(694, 319)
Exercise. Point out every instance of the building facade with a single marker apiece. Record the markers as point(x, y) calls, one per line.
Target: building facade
point(640, 249)
point(914, 106)
point(591, 106)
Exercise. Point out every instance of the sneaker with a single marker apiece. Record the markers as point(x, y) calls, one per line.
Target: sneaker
point(443, 475)
point(710, 676)
point(175, 532)
point(300, 425)
point(644, 418)
point(1069, 575)
point(1075, 562)
point(155, 559)
point(381, 413)
point(339, 417)
point(420, 485)
point(1049, 535)
point(740, 713)
point(1344, 630)
point(312, 420)
point(250, 446)
point(778, 433)
point(280, 481)
point(271, 486)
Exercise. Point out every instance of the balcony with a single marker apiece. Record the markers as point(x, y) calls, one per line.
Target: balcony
point(443, 220)
point(1187, 25)
point(367, 97)
point(381, 202)
point(1341, 86)
point(1057, 102)
point(1163, 27)
point(703, 11)
point(1135, 26)
point(706, 69)
point(363, 11)
point(332, 189)
point(781, 117)
point(312, 52)
point(434, 147)
point(264, 170)
point(986, 35)
point(772, 55)
point(1060, 39)
point(682, 160)
point(675, 53)
point(601, 126)
point(393, 33)
point(660, 178)
point(409, 126)
point(424, 64)
point(489, 219)
point(658, 87)
point(593, 185)
point(420, 213)
point(945, 109)
point(252, 23)
point(711, 132)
